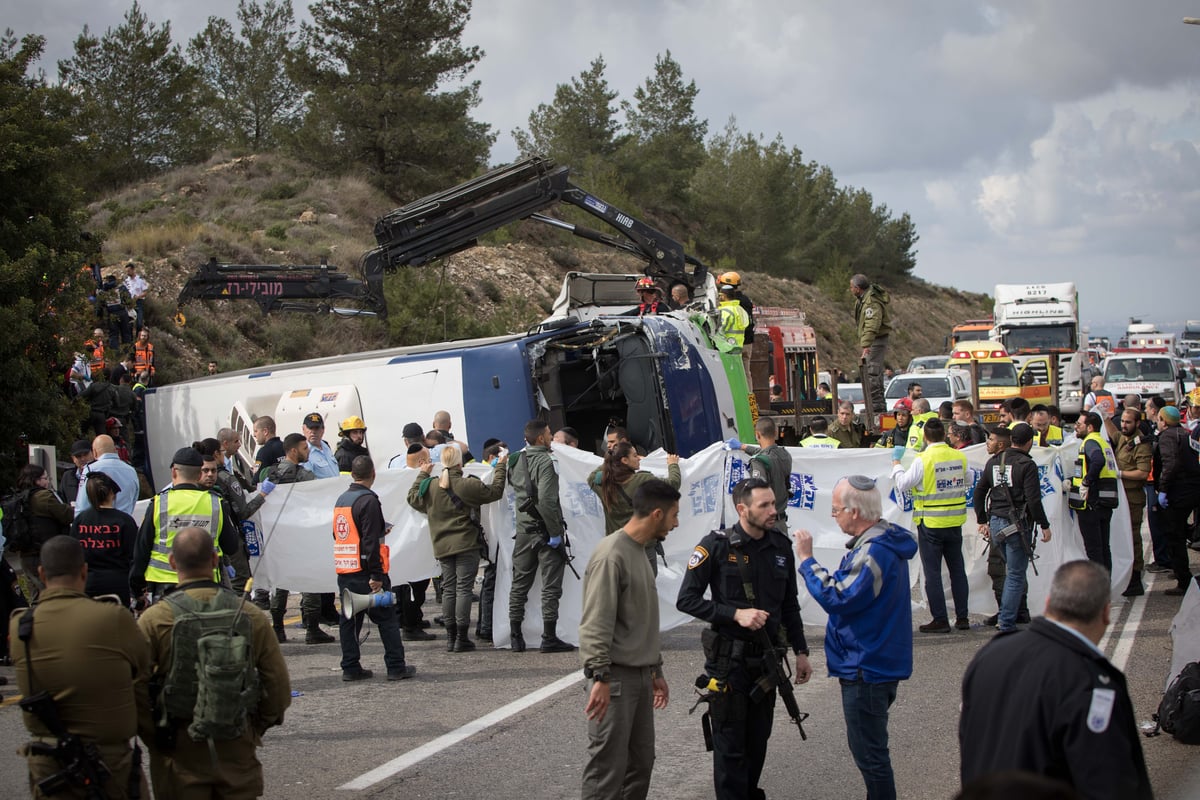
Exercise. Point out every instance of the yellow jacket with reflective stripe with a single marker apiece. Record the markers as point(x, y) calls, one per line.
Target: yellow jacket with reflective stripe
point(734, 321)
point(941, 499)
point(916, 431)
point(174, 510)
point(1103, 493)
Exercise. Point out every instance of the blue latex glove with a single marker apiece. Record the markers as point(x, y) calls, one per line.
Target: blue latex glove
point(555, 541)
point(266, 487)
point(898, 452)
point(1162, 499)
point(733, 444)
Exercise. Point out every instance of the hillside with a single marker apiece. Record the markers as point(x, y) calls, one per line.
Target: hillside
point(267, 209)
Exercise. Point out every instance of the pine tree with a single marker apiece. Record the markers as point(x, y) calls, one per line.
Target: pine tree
point(579, 124)
point(138, 100)
point(379, 72)
point(41, 249)
point(254, 96)
point(666, 140)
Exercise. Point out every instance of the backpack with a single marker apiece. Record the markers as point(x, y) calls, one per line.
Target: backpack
point(17, 528)
point(1179, 712)
point(212, 680)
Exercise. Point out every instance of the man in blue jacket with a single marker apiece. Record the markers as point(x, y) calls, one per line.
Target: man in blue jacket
point(868, 639)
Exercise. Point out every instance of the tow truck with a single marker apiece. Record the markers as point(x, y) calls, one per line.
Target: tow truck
point(669, 378)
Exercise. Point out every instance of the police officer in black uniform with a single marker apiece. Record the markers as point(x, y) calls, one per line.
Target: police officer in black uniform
point(759, 593)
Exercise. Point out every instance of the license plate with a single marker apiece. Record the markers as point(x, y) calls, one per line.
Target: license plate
point(990, 417)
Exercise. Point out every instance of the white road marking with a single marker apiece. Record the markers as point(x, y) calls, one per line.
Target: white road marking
point(416, 756)
point(1129, 630)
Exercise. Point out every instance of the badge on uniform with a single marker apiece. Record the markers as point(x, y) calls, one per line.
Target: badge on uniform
point(698, 556)
point(781, 561)
point(1100, 712)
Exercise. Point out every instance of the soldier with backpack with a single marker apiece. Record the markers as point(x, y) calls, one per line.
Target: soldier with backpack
point(32, 516)
point(769, 462)
point(219, 681)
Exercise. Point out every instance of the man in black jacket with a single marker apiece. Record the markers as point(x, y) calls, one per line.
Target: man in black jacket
point(1177, 479)
point(1009, 494)
point(1046, 700)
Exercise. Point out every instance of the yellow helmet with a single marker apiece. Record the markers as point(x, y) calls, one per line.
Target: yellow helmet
point(730, 278)
point(352, 424)
point(1194, 397)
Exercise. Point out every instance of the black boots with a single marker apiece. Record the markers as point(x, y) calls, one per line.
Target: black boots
point(277, 624)
point(312, 629)
point(517, 636)
point(462, 644)
point(550, 641)
point(451, 638)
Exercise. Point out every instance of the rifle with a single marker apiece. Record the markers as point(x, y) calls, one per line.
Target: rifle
point(1019, 516)
point(779, 677)
point(529, 506)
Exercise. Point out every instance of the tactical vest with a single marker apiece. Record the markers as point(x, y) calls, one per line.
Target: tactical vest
point(820, 442)
point(1103, 493)
point(174, 510)
point(940, 500)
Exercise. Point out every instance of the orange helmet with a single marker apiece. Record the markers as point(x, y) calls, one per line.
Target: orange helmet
point(645, 285)
point(730, 279)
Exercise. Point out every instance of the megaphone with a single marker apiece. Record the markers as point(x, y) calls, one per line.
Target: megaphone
point(354, 603)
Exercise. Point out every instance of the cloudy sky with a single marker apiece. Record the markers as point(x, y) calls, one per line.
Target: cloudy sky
point(1030, 140)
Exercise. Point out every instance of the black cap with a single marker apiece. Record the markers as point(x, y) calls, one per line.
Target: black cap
point(81, 447)
point(187, 457)
point(314, 420)
point(1022, 433)
point(413, 430)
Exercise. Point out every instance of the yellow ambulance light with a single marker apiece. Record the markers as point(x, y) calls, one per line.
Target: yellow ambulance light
point(980, 353)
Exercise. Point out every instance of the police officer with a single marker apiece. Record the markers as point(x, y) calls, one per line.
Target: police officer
point(360, 559)
point(540, 538)
point(184, 504)
point(181, 767)
point(89, 656)
point(750, 572)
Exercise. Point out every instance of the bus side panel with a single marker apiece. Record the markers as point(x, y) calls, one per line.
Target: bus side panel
point(692, 393)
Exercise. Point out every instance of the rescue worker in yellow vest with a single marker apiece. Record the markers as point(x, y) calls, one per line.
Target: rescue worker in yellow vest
point(818, 437)
point(1048, 435)
point(920, 416)
point(938, 480)
point(184, 504)
point(1094, 491)
point(734, 319)
point(360, 559)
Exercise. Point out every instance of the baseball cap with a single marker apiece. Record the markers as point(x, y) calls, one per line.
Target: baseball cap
point(314, 420)
point(903, 404)
point(187, 457)
point(81, 447)
point(1022, 433)
point(413, 430)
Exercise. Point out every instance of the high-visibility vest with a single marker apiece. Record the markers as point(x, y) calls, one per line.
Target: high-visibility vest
point(1053, 437)
point(1106, 404)
point(916, 431)
point(940, 500)
point(143, 357)
point(174, 510)
point(96, 363)
point(734, 321)
point(820, 441)
point(1103, 493)
point(347, 545)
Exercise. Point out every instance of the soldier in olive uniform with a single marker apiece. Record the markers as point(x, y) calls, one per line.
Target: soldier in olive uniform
point(181, 768)
point(89, 655)
point(539, 544)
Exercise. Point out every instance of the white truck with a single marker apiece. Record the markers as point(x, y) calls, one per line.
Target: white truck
point(1038, 324)
point(1189, 340)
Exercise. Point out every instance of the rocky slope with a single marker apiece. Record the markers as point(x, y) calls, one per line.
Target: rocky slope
point(268, 209)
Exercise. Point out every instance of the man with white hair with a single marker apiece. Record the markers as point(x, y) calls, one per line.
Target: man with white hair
point(868, 639)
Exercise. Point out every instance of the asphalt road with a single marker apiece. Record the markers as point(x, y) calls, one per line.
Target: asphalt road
point(337, 733)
